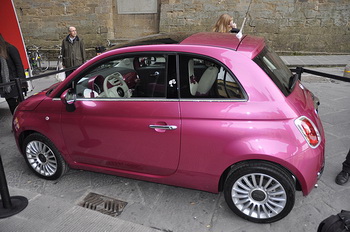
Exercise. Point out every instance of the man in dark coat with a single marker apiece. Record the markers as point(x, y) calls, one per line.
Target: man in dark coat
point(11, 67)
point(343, 176)
point(73, 50)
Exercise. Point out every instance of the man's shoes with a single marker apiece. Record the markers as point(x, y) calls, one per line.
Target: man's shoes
point(342, 178)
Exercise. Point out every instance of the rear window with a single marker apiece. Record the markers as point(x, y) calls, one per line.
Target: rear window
point(275, 68)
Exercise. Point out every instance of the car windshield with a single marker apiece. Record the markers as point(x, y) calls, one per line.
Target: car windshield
point(275, 68)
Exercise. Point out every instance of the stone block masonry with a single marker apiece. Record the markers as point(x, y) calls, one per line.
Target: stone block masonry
point(45, 22)
point(289, 26)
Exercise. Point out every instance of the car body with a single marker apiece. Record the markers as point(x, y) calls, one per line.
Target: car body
point(213, 113)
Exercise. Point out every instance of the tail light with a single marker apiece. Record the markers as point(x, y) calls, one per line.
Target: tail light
point(308, 129)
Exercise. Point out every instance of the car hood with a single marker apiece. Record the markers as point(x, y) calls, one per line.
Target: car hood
point(33, 101)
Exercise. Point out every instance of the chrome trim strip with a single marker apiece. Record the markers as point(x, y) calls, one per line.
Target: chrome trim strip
point(123, 99)
point(212, 100)
point(155, 100)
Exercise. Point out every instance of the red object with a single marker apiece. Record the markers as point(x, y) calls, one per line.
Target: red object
point(10, 29)
point(307, 128)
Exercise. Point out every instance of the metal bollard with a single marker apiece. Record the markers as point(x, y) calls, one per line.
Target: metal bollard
point(347, 71)
point(9, 206)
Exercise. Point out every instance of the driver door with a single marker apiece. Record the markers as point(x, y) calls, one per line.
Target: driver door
point(136, 133)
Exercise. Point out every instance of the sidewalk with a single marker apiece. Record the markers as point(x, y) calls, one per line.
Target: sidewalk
point(317, 61)
point(52, 214)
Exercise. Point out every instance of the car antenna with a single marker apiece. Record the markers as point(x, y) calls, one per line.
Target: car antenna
point(239, 35)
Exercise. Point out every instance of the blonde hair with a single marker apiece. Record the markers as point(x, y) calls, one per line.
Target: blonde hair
point(223, 24)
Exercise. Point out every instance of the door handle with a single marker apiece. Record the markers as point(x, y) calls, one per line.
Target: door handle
point(163, 127)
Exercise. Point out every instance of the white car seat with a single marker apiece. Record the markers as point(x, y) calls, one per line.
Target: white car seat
point(192, 79)
point(207, 80)
point(201, 87)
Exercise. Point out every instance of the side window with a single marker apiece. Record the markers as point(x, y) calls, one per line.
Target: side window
point(127, 77)
point(204, 78)
point(152, 76)
point(228, 86)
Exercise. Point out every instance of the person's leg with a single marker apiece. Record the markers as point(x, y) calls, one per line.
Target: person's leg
point(346, 163)
point(13, 103)
point(343, 176)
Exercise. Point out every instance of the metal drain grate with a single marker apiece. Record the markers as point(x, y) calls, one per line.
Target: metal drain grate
point(103, 204)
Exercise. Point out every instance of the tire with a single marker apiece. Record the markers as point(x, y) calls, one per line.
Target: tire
point(43, 157)
point(260, 192)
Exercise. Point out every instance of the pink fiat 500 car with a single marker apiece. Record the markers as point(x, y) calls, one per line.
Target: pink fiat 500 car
point(212, 113)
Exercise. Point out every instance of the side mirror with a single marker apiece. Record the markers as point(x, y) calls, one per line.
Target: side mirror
point(68, 98)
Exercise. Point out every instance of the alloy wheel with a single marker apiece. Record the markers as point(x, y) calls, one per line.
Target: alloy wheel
point(41, 158)
point(259, 195)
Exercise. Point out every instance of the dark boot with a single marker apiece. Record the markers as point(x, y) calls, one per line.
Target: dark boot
point(342, 178)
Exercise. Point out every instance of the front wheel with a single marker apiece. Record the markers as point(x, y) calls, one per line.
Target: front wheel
point(260, 192)
point(43, 157)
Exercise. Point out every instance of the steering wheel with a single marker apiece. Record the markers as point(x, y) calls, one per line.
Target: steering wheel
point(119, 88)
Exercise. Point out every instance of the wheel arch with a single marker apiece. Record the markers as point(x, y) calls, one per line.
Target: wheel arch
point(43, 157)
point(22, 137)
point(24, 134)
point(235, 166)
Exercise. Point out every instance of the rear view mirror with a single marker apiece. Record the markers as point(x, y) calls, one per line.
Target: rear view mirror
point(68, 98)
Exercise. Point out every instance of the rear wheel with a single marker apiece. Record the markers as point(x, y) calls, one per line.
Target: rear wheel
point(43, 157)
point(260, 192)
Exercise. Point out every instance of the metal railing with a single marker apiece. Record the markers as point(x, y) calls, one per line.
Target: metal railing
point(19, 81)
point(300, 70)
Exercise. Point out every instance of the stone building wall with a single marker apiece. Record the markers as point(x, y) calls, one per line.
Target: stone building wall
point(294, 26)
point(290, 25)
point(129, 26)
point(45, 22)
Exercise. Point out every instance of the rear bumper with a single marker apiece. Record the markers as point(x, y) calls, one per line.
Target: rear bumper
point(310, 170)
point(319, 174)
